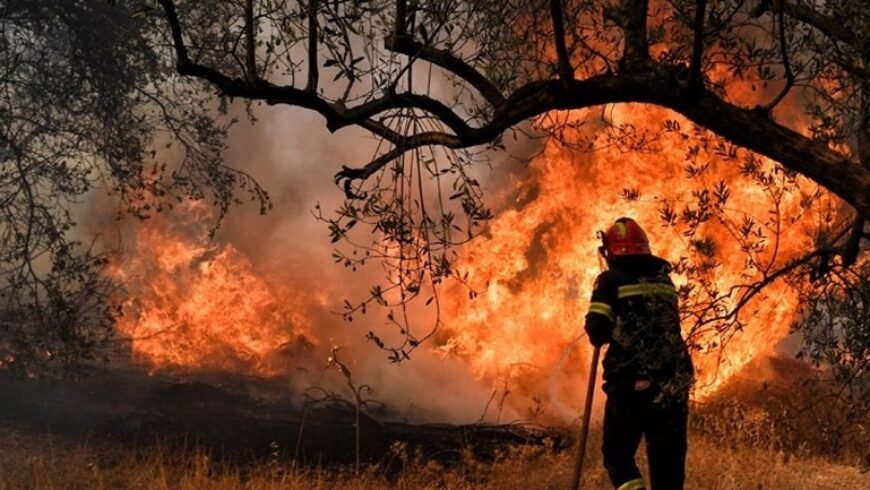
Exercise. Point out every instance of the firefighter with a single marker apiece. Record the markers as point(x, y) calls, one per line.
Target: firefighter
point(647, 368)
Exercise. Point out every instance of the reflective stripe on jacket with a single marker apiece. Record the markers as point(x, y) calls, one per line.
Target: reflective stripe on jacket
point(634, 308)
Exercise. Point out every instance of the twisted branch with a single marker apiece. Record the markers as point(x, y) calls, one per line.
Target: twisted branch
point(643, 82)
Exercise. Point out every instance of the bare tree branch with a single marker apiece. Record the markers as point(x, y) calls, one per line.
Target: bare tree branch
point(565, 69)
point(250, 44)
point(312, 47)
point(852, 248)
point(789, 74)
point(828, 26)
point(695, 77)
point(445, 59)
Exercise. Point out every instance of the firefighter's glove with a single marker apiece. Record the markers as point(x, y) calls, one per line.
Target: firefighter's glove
point(599, 336)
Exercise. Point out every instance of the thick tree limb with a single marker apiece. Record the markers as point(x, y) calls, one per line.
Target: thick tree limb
point(752, 129)
point(445, 59)
point(400, 28)
point(407, 101)
point(631, 17)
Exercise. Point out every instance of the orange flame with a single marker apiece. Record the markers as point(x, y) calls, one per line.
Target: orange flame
point(538, 261)
point(198, 306)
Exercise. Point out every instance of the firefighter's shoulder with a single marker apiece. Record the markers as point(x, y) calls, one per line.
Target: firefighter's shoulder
point(606, 280)
point(663, 267)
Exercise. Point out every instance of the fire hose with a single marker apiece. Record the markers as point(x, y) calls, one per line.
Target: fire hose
point(584, 427)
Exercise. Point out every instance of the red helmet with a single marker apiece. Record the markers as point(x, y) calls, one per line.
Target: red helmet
point(626, 237)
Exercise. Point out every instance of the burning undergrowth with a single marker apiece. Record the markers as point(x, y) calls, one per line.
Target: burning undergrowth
point(200, 305)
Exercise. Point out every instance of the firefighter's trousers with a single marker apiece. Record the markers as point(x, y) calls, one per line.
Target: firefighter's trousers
point(628, 415)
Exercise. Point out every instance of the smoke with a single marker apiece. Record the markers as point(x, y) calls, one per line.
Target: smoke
point(191, 298)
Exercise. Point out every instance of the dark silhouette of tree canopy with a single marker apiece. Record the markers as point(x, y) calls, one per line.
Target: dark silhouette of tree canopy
point(85, 105)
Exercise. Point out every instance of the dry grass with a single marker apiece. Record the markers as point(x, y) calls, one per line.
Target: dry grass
point(43, 462)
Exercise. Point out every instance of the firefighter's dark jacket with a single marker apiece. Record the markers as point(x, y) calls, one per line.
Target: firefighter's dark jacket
point(634, 308)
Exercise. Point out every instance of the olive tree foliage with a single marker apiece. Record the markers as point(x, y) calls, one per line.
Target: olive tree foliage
point(835, 332)
point(439, 83)
point(85, 107)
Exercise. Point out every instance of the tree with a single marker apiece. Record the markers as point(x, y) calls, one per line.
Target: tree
point(548, 56)
point(835, 327)
point(513, 62)
point(84, 108)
